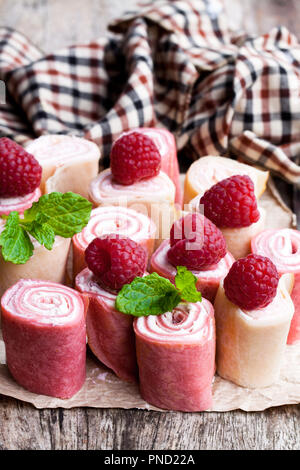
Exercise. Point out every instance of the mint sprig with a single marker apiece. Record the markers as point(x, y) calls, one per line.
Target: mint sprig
point(15, 241)
point(62, 214)
point(185, 282)
point(154, 295)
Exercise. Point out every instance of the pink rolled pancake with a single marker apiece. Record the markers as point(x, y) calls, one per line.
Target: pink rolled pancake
point(113, 219)
point(19, 204)
point(43, 326)
point(154, 197)
point(47, 265)
point(110, 333)
point(282, 246)
point(166, 145)
point(176, 357)
point(69, 163)
point(251, 344)
point(207, 281)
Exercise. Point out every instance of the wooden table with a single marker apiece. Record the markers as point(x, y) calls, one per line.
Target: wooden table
point(53, 24)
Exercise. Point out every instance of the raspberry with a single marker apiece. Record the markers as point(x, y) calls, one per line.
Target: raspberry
point(231, 202)
point(20, 172)
point(115, 260)
point(195, 242)
point(134, 157)
point(251, 282)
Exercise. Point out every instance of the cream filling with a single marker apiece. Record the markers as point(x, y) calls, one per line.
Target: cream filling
point(281, 246)
point(19, 203)
point(119, 220)
point(160, 258)
point(187, 323)
point(43, 302)
point(159, 187)
point(86, 282)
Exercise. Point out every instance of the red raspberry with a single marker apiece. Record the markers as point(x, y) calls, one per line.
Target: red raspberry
point(231, 202)
point(196, 243)
point(134, 157)
point(115, 260)
point(20, 172)
point(251, 282)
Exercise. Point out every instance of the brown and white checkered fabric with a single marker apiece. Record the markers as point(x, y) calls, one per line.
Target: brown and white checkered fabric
point(173, 64)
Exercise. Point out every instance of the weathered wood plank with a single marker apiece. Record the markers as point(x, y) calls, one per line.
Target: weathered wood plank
point(258, 17)
point(24, 427)
point(53, 24)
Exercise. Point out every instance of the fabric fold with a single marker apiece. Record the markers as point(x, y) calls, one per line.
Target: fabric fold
point(171, 64)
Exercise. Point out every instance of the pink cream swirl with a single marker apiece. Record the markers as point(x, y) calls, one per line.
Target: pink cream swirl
point(85, 282)
point(19, 204)
point(187, 323)
point(43, 302)
point(119, 220)
point(160, 261)
point(103, 189)
point(281, 246)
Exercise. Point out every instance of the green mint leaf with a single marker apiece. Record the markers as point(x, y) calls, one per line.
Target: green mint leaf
point(43, 233)
point(149, 295)
point(154, 295)
point(66, 213)
point(53, 214)
point(185, 282)
point(15, 242)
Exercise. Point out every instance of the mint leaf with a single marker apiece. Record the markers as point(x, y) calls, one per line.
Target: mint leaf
point(15, 242)
point(154, 295)
point(53, 214)
point(43, 233)
point(185, 282)
point(149, 295)
point(66, 213)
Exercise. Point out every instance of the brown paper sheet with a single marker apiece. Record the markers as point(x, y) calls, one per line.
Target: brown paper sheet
point(103, 389)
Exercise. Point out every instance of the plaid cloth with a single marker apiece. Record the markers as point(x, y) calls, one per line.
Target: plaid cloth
point(173, 64)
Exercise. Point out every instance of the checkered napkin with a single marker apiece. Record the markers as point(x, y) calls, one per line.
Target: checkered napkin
point(173, 64)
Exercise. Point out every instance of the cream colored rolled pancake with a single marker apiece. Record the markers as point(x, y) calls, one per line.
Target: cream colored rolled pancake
point(238, 240)
point(154, 197)
point(69, 163)
point(251, 345)
point(47, 265)
point(209, 170)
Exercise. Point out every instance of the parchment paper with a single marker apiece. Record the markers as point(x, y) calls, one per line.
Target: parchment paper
point(103, 389)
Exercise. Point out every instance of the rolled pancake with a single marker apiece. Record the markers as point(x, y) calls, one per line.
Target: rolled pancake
point(113, 219)
point(69, 163)
point(153, 197)
point(251, 344)
point(209, 170)
point(176, 357)
point(43, 325)
point(282, 246)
